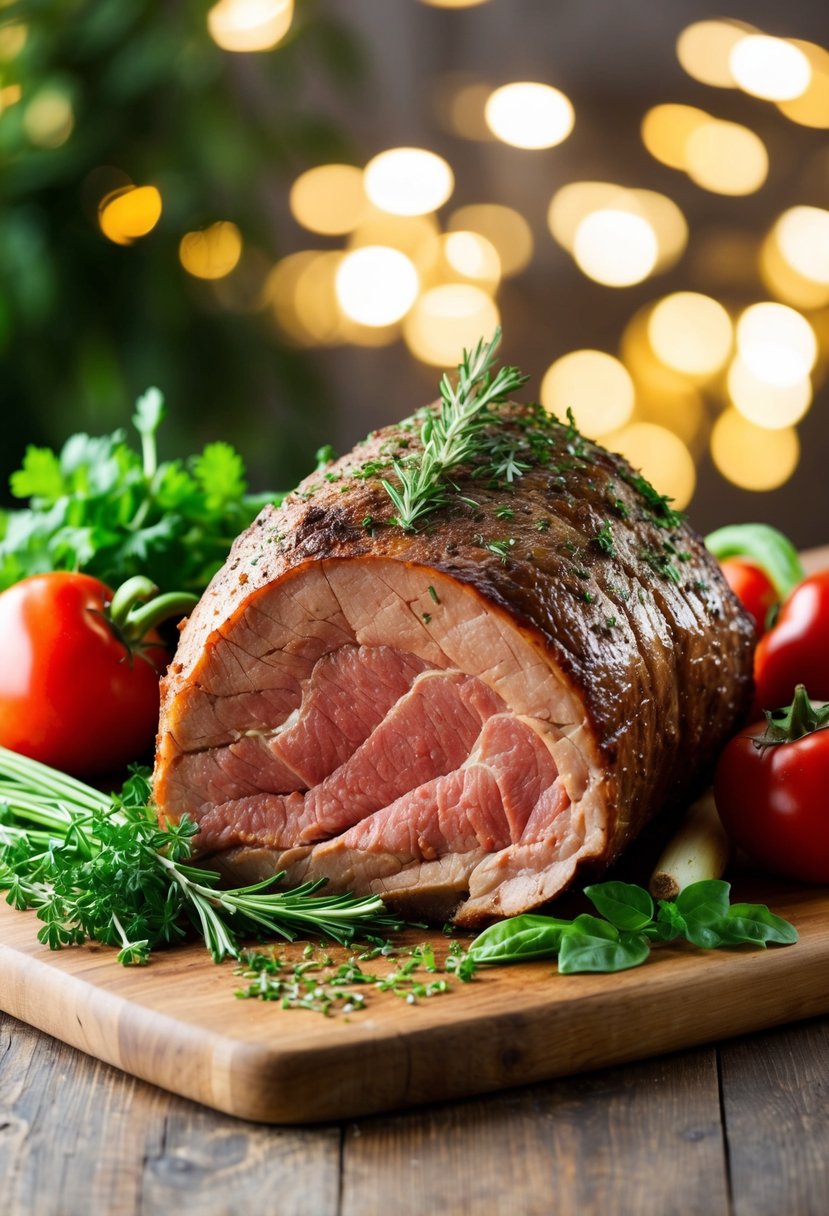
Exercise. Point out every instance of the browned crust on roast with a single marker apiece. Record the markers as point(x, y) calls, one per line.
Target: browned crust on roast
point(662, 667)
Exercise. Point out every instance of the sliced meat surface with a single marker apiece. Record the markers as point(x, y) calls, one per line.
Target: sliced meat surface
point(462, 716)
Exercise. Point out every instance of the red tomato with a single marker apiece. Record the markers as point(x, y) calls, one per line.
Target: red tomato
point(772, 801)
point(796, 650)
point(752, 587)
point(71, 693)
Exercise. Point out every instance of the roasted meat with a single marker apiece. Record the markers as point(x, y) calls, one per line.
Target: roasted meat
point(460, 716)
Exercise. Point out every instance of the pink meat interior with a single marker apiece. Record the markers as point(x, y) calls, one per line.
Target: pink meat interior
point(380, 725)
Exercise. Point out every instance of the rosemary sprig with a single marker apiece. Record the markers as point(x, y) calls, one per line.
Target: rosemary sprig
point(98, 867)
point(452, 436)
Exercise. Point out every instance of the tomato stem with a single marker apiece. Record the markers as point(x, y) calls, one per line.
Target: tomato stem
point(133, 622)
point(794, 721)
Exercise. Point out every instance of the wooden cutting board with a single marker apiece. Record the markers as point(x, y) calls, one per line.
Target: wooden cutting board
point(176, 1022)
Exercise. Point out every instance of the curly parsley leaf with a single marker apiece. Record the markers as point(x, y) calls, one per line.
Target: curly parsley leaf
point(102, 507)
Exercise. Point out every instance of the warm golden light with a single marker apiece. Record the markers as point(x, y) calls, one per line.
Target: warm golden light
point(529, 115)
point(329, 199)
point(280, 290)
point(726, 158)
point(662, 457)
point(316, 299)
point(472, 256)
point(777, 344)
point(10, 95)
point(212, 252)
point(129, 213)
point(786, 283)
point(408, 181)
point(249, 25)
point(505, 228)
point(764, 404)
point(811, 108)
point(770, 68)
point(691, 333)
point(415, 235)
point(750, 456)
point(448, 319)
point(615, 248)
point(704, 50)
point(802, 235)
point(574, 202)
point(463, 109)
point(666, 130)
point(48, 119)
point(667, 221)
point(594, 385)
point(13, 38)
point(376, 285)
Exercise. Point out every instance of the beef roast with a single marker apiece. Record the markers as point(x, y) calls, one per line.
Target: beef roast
point(462, 716)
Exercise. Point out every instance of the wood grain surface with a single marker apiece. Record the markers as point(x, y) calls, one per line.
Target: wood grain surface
point(176, 1022)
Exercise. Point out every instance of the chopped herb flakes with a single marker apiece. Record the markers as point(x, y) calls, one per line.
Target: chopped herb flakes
point(322, 985)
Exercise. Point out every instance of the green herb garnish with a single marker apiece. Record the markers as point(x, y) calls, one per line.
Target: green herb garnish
point(97, 867)
point(620, 937)
point(101, 507)
point(452, 435)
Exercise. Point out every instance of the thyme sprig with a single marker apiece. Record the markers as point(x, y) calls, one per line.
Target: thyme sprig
point(97, 867)
point(451, 436)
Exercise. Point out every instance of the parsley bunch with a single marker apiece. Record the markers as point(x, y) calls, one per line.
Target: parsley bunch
point(104, 508)
point(97, 867)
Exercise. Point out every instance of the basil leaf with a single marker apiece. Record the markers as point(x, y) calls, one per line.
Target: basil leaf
point(626, 906)
point(704, 907)
point(765, 546)
point(520, 937)
point(755, 923)
point(586, 949)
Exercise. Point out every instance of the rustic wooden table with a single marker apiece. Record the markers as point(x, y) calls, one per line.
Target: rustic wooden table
point(741, 1128)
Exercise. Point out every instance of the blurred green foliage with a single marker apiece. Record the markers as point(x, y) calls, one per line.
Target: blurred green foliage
point(94, 93)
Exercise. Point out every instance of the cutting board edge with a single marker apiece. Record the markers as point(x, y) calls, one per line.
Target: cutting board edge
point(313, 1085)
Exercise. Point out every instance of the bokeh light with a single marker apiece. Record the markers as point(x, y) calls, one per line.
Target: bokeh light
point(704, 49)
point(802, 235)
point(573, 203)
point(504, 227)
point(529, 115)
point(767, 405)
point(329, 199)
point(48, 119)
point(594, 385)
point(615, 247)
point(666, 130)
point(811, 108)
point(469, 255)
point(249, 25)
point(129, 213)
point(376, 285)
point(448, 319)
point(415, 235)
point(662, 457)
point(777, 344)
point(408, 181)
point(770, 68)
point(453, 3)
point(691, 333)
point(786, 283)
point(753, 457)
point(13, 37)
point(726, 158)
point(213, 252)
